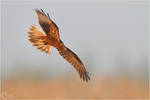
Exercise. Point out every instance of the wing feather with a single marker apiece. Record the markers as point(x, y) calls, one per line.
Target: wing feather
point(74, 60)
point(49, 27)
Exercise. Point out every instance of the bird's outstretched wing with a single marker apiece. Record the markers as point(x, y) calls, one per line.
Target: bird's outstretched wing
point(49, 27)
point(74, 60)
point(37, 38)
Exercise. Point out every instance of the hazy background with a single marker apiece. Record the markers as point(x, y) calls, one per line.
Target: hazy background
point(111, 38)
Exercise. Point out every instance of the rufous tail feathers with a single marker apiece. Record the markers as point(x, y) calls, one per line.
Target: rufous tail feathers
point(38, 39)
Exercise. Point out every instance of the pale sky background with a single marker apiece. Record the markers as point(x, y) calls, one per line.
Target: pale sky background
point(109, 37)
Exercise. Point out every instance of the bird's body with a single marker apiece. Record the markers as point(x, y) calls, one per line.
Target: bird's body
point(44, 42)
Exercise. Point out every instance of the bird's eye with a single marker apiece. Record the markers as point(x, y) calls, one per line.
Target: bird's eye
point(53, 31)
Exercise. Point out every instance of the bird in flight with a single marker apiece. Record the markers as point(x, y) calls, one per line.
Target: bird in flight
point(44, 42)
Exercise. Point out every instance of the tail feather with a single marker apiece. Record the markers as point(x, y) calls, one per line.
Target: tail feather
point(37, 38)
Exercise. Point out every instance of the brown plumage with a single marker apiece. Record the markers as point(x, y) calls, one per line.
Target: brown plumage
point(44, 42)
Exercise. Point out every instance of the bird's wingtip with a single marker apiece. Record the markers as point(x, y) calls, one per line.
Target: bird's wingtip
point(36, 9)
point(85, 77)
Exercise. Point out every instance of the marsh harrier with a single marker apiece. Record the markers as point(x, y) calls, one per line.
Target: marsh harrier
point(44, 42)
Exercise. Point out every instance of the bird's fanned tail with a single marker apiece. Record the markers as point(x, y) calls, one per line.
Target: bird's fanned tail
point(37, 38)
